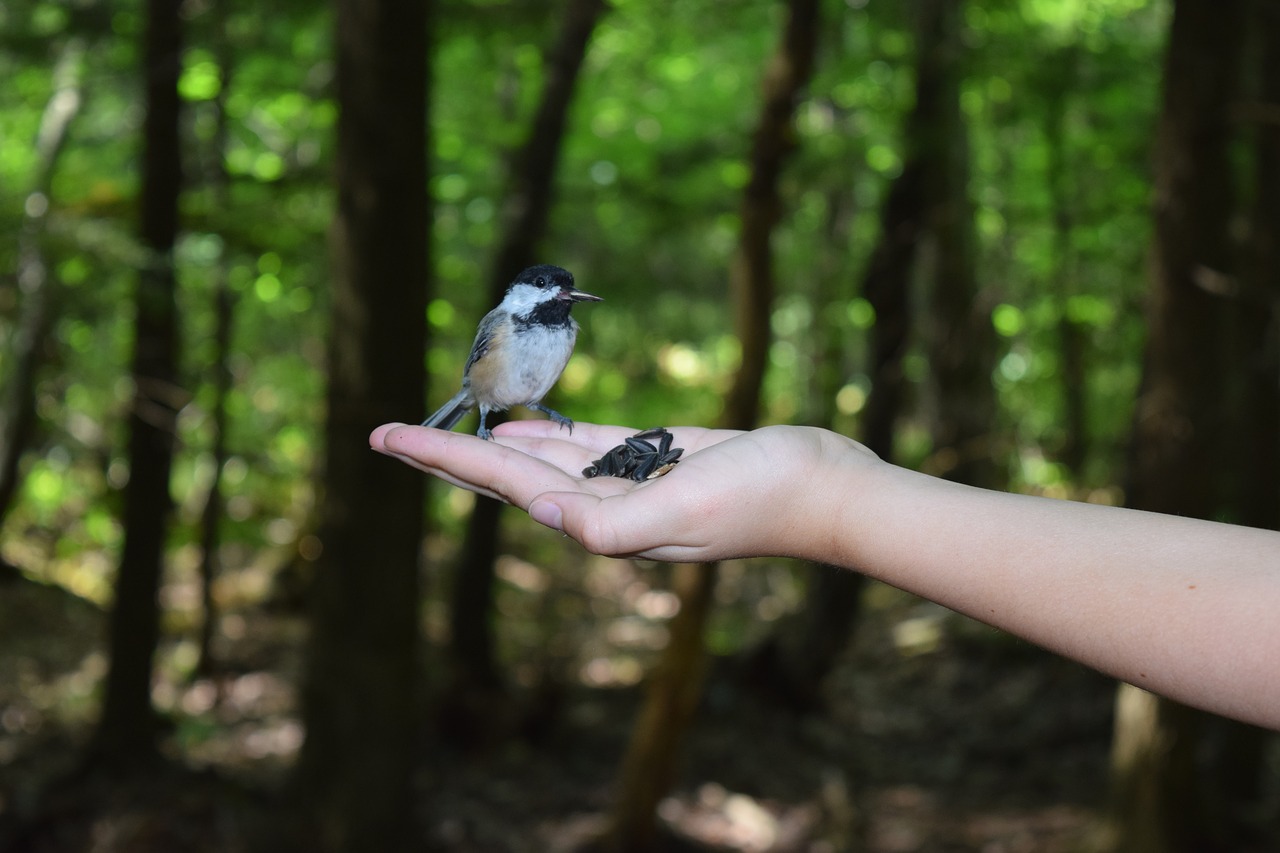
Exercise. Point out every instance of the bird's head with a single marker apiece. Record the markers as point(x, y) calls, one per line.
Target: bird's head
point(545, 289)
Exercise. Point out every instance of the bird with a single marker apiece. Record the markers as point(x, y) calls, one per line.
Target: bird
point(520, 350)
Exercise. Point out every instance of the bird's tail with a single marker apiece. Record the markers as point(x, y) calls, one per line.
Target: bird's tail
point(448, 415)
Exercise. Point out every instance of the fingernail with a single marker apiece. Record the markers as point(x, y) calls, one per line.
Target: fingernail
point(547, 513)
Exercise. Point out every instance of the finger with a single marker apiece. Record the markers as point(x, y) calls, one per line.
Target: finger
point(473, 463)
point(614, 516)
point(376, 437)
point(377, 441)
point(569, 457)
point(585, 518)
point(608, 526)
point(594, 437)
point(600, 438)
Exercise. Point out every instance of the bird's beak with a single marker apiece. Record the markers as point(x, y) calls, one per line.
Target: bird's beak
point(570, 294)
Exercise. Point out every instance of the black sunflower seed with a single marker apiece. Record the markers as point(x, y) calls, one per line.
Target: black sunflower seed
point(646, 467)
point(664, 443)
point(638, 458)
point(671, 456)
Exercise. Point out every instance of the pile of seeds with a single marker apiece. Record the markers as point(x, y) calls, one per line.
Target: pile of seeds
point(639, 458)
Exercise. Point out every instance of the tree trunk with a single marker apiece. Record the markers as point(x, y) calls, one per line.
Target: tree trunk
point(527, 203)
point(355, 772)
point(1059, 81)
point(472, 700)
point(958, 334)
point(751, 271)
point(1178, 420)
point(1240, 763)
point(886, 285)
point(1258, 418)
point(675, 687)
point(649, 766)
point(829, 297)
point(1153, 797)
point(792, 664)
point(18, 399)
point(126, 733)
point(211, 516)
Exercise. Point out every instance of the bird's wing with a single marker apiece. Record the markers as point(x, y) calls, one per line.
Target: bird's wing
point(484, 337)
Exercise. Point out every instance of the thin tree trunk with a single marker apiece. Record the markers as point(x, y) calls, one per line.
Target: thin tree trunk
point(1155, 804)
point(958, 333)
point(527, 204)
point(1258, 316)
point(1153, 798)
point(470, 701)
point(215, 505)
point(886, 285)
point(829, 331)
point(355, 774)
point(1177, 422)
point(126, 733)
point(675, 688)
point(18, 399)
point(794, 662)
point(751, 271)
point(648, 769)
point(1240, 765)
point(1060, 80)
point(224, 315)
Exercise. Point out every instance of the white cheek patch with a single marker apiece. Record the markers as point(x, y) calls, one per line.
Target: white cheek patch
point(523, 298)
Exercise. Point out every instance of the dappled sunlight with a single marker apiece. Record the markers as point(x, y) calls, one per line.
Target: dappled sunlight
point(611, 672)
point(240, 721)
point(943, 238)
point(715, 816)
point(683, 364)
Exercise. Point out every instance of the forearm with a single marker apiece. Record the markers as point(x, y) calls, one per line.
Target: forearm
point(1183, 607)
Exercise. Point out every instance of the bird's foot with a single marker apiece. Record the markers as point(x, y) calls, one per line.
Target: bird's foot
point(554, 415)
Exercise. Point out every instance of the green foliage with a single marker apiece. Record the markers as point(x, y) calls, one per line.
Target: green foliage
point(645, 215)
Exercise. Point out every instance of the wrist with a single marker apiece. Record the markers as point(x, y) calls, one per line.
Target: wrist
point(831, 497)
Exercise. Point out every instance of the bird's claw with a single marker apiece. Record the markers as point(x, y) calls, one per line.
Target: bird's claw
point(554, 415)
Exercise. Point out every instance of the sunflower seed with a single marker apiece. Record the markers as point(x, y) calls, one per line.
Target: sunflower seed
point(639, 445)
point(638, 458)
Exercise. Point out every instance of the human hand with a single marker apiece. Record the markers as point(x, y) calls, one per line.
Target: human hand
point(1162, 601)
point(732, 494)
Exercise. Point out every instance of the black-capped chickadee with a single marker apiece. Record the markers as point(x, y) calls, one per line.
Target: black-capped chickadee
point(521, 348)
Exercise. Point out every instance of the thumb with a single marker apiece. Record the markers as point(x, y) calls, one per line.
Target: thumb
point(580, 516)
point(546, 511)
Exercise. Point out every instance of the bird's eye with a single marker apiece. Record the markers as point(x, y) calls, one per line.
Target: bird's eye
point(539, 282)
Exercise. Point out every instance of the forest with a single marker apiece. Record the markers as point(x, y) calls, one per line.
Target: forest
point(1027, 245)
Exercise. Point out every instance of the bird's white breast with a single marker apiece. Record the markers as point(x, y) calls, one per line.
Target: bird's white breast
point(538, 355)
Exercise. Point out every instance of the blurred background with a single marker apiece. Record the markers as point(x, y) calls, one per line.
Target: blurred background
point(1022, 244)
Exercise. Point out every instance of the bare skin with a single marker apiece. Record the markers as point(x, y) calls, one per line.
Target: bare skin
point(1182, 607)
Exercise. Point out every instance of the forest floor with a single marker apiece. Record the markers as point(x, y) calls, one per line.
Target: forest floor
point(937, 734)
